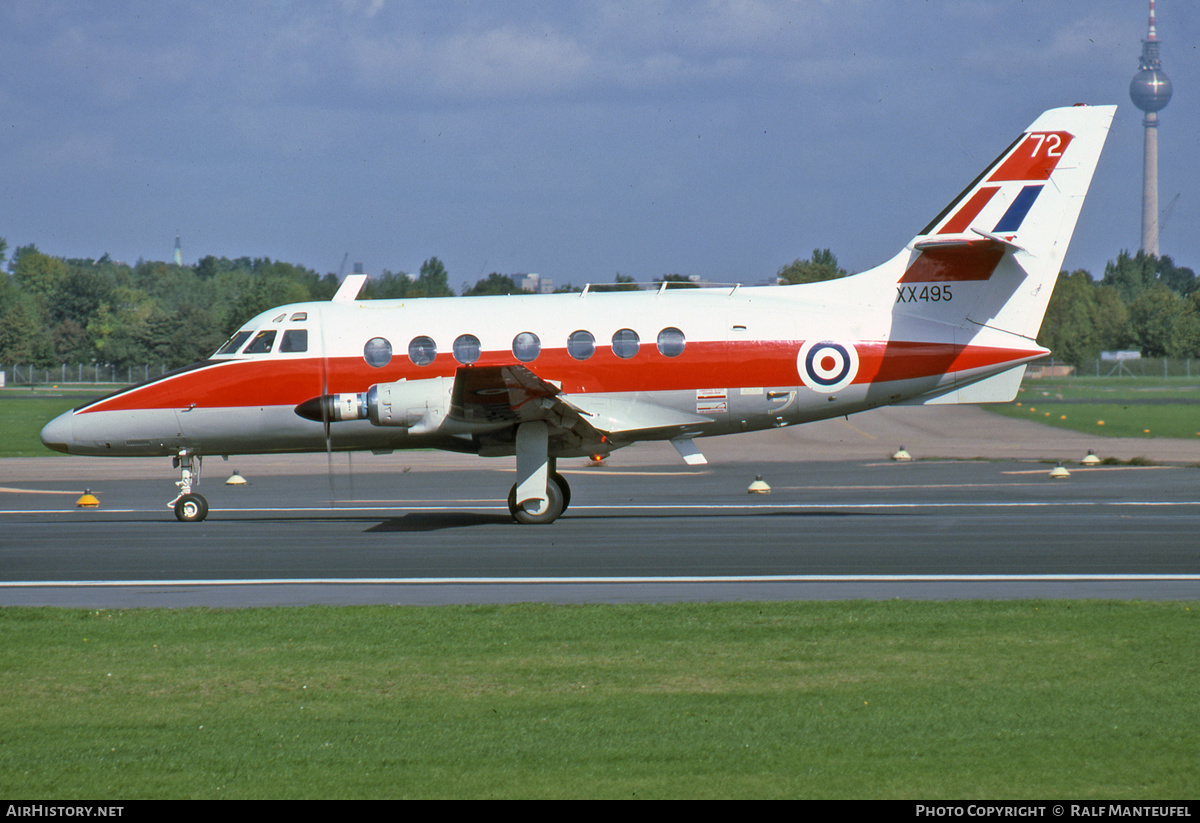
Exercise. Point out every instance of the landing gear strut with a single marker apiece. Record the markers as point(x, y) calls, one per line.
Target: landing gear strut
point(189, 507)
point(540, 494)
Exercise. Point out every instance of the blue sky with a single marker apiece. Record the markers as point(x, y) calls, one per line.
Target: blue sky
point(577, 140)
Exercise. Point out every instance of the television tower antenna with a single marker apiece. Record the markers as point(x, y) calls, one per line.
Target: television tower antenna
point(1150, 91)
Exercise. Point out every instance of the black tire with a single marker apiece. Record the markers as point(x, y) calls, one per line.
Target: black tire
point(564, 488)
point(548, 513)
point(191, 508)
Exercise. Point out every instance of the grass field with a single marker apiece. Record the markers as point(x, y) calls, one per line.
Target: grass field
point(1114, 406)
point(1019, 699)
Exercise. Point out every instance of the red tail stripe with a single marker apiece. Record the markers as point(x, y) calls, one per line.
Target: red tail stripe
point(963, 217)
point(971, 261)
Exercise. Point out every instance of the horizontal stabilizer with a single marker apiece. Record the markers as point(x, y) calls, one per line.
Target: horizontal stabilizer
point(999, 388)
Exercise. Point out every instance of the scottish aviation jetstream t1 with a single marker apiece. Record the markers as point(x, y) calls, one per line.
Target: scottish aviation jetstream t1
point(952, 318)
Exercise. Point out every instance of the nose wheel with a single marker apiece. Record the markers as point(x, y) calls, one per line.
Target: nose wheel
point(189, 507)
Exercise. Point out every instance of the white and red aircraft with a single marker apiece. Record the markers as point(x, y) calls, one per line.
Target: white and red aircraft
point(952, 318)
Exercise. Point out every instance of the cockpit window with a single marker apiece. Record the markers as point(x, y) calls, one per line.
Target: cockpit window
point(294, 340)
point(262, 342)
point(234, 343)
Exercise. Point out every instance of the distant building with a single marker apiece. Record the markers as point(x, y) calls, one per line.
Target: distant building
point(535, 283)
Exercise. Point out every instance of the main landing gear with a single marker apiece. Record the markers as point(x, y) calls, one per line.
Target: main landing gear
point(189, 507)
point(540, 494)
point(547, 510)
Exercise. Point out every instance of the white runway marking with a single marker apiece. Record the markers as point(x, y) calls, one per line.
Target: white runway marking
point(400, 507)
point(658, 580)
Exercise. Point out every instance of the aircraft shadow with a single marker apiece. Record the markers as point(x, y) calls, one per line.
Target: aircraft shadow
point(437, 521)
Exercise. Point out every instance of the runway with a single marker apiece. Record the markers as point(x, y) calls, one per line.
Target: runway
point(429, 528)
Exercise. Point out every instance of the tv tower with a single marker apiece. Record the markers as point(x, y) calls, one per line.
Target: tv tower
point(1150, 91)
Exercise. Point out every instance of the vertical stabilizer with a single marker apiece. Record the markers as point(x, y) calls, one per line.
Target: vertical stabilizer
point(992, 256)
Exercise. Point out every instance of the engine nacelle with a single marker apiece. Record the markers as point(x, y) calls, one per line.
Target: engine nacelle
point(417, 405)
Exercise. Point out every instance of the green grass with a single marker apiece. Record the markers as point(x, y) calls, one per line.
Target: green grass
point(926, 700)
point(1115, 407)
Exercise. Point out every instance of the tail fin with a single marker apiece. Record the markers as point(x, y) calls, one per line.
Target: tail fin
point(998, 247)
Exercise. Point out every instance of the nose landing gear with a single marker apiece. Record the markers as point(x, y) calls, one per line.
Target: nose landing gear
point(189, 507)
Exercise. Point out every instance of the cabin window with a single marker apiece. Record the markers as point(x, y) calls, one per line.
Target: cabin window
point(670, 342)
point(234, 343)
point(466, 349)
point(526, 346)
point(625, 343)
point(377, 352)
point(262, 342)
point(422, 350)
point(294, 340)
point(581, 344)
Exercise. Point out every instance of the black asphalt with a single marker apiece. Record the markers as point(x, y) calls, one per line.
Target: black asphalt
point(862, 519)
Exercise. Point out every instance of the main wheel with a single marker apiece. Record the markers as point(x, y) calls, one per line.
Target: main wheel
point(564, 488)
point(191, 508)
point(547, 512)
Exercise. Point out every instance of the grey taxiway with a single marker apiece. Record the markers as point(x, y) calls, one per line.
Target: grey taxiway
point(977, 515)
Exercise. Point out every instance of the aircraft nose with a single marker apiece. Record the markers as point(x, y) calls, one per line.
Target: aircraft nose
point(58, 433)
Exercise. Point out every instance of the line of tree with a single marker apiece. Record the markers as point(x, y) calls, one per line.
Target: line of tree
point(56, 310)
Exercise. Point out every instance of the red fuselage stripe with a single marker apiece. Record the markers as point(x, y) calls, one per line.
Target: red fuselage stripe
point(285, 381)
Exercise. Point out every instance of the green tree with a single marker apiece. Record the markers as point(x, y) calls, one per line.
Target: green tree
point(622, 282)
point(71, 342)
point(38, 274)
point(1161, 323)
point(822, 265)
point(1111, 319)
point(1178, 279)
point(1131, 275)
point(23, 334)
point(78, 294)
point(494, 283)
point(677, 281)
point(432, 280)
point(388, 286)
point(1069, 328)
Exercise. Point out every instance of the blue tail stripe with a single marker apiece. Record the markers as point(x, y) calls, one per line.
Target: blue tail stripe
point(1011, 221)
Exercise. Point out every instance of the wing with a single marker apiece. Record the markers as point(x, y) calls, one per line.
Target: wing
point(584, 424)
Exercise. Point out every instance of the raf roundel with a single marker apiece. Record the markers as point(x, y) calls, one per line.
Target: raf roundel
point(826, 366)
